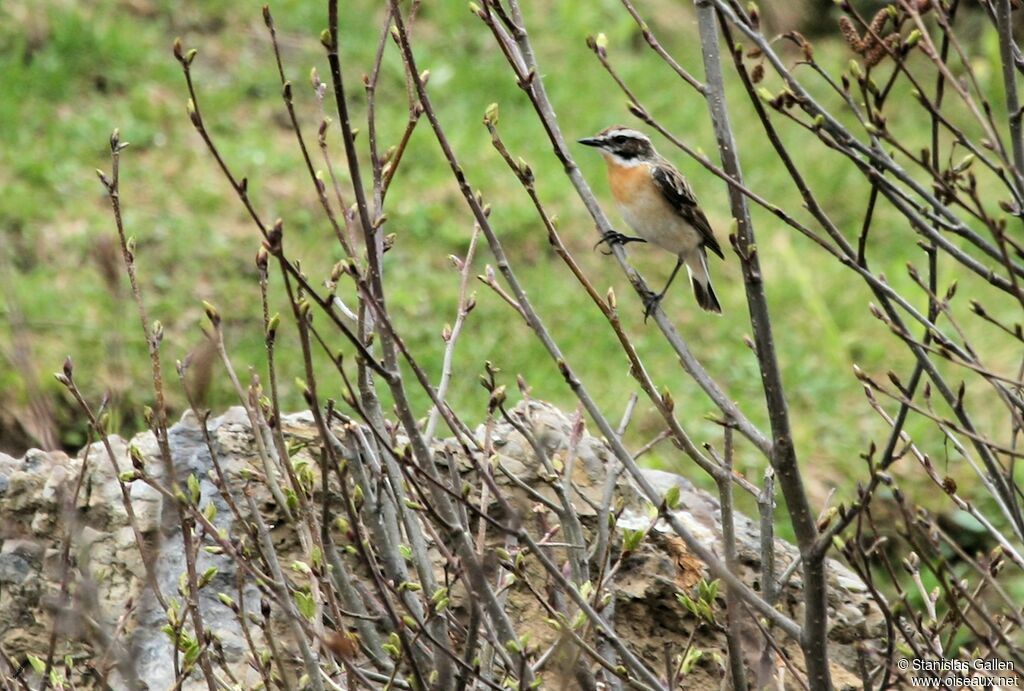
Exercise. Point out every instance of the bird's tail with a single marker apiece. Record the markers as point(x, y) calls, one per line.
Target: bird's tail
point(697, 268)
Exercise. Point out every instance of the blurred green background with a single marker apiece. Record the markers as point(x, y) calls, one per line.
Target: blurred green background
point(72, 71)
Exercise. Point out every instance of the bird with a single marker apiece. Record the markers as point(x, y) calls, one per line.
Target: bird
point(658, 203)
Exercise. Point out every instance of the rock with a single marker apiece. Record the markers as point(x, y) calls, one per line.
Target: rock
point(109, 583)
point(14, 569)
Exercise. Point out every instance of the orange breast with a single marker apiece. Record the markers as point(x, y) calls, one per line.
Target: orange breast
point(627, 182)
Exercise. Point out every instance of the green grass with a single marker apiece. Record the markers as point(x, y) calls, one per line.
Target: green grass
point(70, 72)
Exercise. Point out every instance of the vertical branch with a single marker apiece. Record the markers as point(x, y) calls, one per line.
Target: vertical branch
point(766, 511)
point(284, 598)
point(154, 335)
point(1007, 48)
point(734, 642)
point(814, 636)
point(451, 336)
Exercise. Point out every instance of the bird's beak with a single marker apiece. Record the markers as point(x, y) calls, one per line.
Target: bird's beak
point(591, 141)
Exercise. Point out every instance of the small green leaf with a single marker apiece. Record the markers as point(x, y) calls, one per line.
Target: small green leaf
point(192, 651)
point(693, 656)
point(491, 114)
point(207, 576)
point(193, 488)
point(304, 601)
point(631, 539)
point(672, 498)
point(37, 664)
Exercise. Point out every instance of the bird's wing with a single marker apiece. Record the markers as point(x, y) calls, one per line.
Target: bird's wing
point(677, 192)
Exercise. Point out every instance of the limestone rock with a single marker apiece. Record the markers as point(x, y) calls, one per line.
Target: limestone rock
point(108, 566)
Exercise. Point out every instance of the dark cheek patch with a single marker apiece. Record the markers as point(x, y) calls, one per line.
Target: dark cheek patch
point(628, 153)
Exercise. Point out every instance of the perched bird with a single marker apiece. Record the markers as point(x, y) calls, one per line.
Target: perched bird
point(658, 204)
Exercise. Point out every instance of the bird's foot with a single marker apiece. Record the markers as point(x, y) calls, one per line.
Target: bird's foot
point(613, 237)
point(651, 302)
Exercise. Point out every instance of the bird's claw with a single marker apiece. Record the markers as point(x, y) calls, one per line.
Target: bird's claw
point(613, 237)
point(651, 302)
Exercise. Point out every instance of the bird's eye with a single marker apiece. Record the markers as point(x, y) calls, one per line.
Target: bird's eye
point(619, 139)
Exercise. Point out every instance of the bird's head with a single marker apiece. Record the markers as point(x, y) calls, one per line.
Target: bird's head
point(624, 145)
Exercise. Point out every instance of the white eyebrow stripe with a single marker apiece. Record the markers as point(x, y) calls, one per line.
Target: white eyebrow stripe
point(628, 133)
